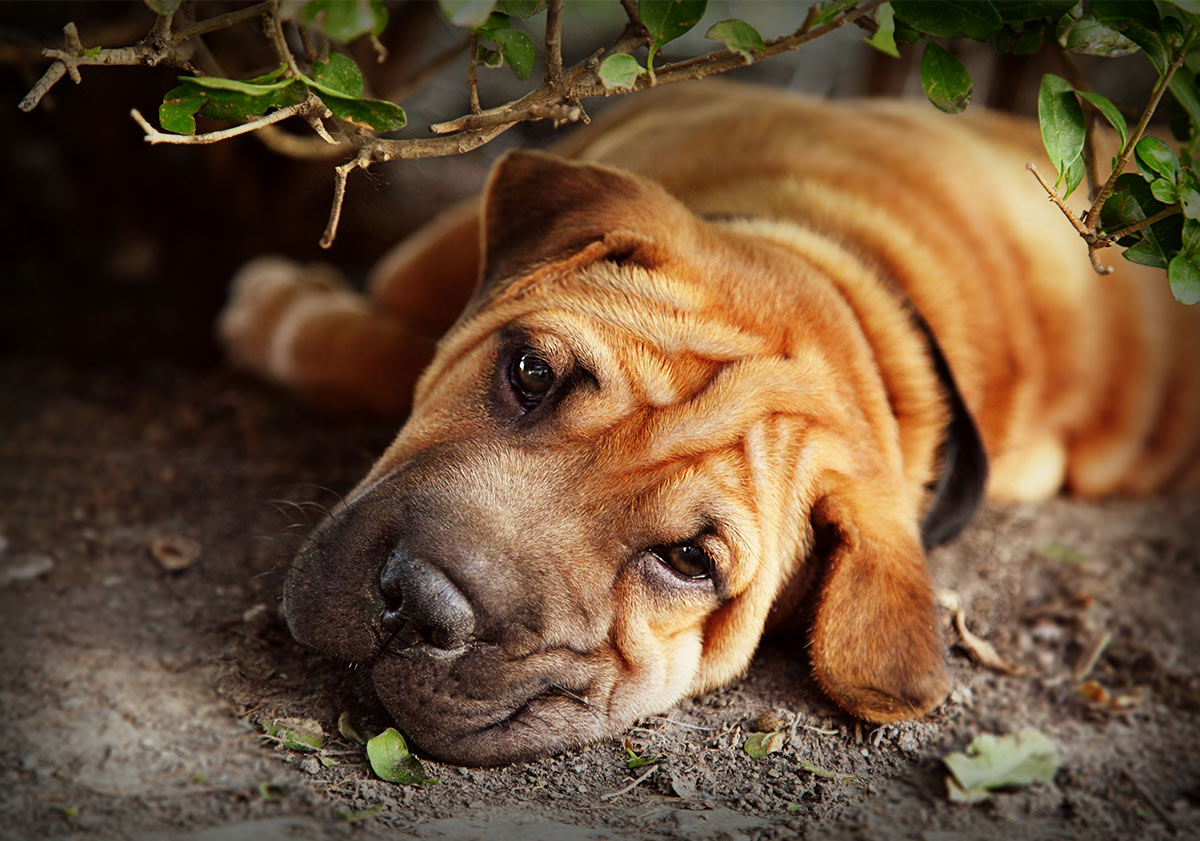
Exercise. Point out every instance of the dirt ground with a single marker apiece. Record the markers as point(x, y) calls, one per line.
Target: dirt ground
point(130, 694)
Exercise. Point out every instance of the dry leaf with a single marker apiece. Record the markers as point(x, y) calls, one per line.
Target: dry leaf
point(981, 650)
point(1000, 762)
point(174, 551)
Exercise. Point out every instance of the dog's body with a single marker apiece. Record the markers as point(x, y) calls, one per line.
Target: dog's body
point(684, 402)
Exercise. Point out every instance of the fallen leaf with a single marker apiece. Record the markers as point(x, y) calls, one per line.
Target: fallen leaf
point(352, 732)
point(390, 760)
point(174, 551)
point(770, 721)
point(1101, 697)
point(758, 745)
point(992, 762)
point(981, 650)
point(825, 773)
point(294, 733)
point(636, 761)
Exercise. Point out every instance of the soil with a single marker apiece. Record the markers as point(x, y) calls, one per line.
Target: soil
point(131, 693)
point(135, 673)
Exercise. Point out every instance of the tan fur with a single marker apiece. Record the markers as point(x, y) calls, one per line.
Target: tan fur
point(756, 385)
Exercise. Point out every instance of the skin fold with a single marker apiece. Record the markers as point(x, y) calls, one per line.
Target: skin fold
point(785, 343)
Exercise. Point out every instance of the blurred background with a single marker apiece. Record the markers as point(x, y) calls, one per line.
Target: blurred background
point(118, 253)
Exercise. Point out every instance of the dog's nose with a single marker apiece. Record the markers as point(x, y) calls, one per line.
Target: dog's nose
point(421, 599)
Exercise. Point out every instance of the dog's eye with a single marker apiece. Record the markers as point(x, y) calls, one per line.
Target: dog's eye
point(531, 376)
point(685, 560)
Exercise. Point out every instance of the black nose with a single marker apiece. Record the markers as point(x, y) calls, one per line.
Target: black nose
point(424, 602)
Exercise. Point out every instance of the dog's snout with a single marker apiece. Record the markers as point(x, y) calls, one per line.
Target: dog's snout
point(422, 600)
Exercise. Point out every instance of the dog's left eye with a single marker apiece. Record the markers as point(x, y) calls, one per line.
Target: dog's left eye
point(531, 376)
point(685, 560)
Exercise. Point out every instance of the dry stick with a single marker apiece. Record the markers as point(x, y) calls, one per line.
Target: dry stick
point(154, 136)
point(1093, 215)
point(558, 113)
point(273, 26)
point(1145, 223)
point(340, 174)
point(471, 85)
point(554, 65)
point(1093, 240)
point(203, 27)
point(614, 794)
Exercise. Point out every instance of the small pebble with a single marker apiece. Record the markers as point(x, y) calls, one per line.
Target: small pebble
point(175, 552)
point(25, 567)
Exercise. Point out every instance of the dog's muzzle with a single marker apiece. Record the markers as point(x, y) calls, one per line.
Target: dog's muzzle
point(424, 608)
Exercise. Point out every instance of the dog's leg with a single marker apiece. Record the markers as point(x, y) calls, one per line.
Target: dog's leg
point(304, 328)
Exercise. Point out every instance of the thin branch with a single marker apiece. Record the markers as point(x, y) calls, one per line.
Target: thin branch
point(1080, 228)
point(554, 63)
point(154, 136)
point(340, 174)
point(473, 50)
point(559, 113)
point(203, 27)
point(626, 789)
point(1093, 215)
point(273, 26)
point(1145, 223)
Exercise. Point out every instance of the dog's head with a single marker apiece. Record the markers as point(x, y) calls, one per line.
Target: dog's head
point(641, 436)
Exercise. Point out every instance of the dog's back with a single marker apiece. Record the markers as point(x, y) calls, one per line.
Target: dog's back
point(1072, 376)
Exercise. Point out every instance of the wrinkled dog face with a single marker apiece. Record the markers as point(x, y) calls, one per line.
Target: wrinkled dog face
point(606, 481)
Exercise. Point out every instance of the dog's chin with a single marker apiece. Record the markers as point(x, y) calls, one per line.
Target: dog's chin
point(475, 709)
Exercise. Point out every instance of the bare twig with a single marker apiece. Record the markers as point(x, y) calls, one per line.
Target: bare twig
point(1145, 223)
point(203, 27)
point(471, 84)
point(1080, 228)
point(554, 65)
point(625, 790)
point(273, 26)
point(502, 116)
point(154, 136)
point(340, 174)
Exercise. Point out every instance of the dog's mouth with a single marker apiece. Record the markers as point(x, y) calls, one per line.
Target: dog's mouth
point(480, 708)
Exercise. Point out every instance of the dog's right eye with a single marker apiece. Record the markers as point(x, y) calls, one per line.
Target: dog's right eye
point(531, 377)
point(685, 560)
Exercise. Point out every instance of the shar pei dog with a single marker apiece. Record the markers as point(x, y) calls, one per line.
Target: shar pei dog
point(726, 364)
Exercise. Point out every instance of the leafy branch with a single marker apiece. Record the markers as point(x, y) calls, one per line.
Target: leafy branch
point(1153, 213)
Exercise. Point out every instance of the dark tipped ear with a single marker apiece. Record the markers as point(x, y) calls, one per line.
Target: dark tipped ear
point(539, 208)
point(875, 645)
point(958, 492)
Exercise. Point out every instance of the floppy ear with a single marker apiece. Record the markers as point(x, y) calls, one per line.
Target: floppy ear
point(875, 644)
point(540, 208)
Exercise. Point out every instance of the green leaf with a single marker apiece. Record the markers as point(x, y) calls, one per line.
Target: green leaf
point(666, 20)
point(1132, 202)
point(520, 8)
point(944, 79)
point(362, 814)
point(1164, 191)
point(975, 19)
point(1074, 174)
point(374, 114)
point(1155, 158)
point(345, 20)
point(829, 11)
point(518, 51)
point(636, 761)
point(1189, 199)
point(619, 72)
point(884, 38)
point(339, 76)
point(1017, 11)
point(391, 760)
point(1191, 237)
point(268, 78)
point(489, 57)
point(248, 88)
point(737, 35)
point(1183, 87)
point(1111, 113)
point(1184, 275)
point(758, 745)
point(1138, 21)
point(1060, 118)
point(470, 13)
point(1087, 36)
point(178, 106)
point(92, 52)
point(303, 734)
point(992, 762)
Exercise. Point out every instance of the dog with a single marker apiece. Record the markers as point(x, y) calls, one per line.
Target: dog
point(727, 363)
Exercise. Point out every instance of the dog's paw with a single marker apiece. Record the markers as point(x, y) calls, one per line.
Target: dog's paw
point(262, 294)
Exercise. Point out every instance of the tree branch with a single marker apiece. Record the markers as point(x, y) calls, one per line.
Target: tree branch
point(154, 136)
point(554, 63)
